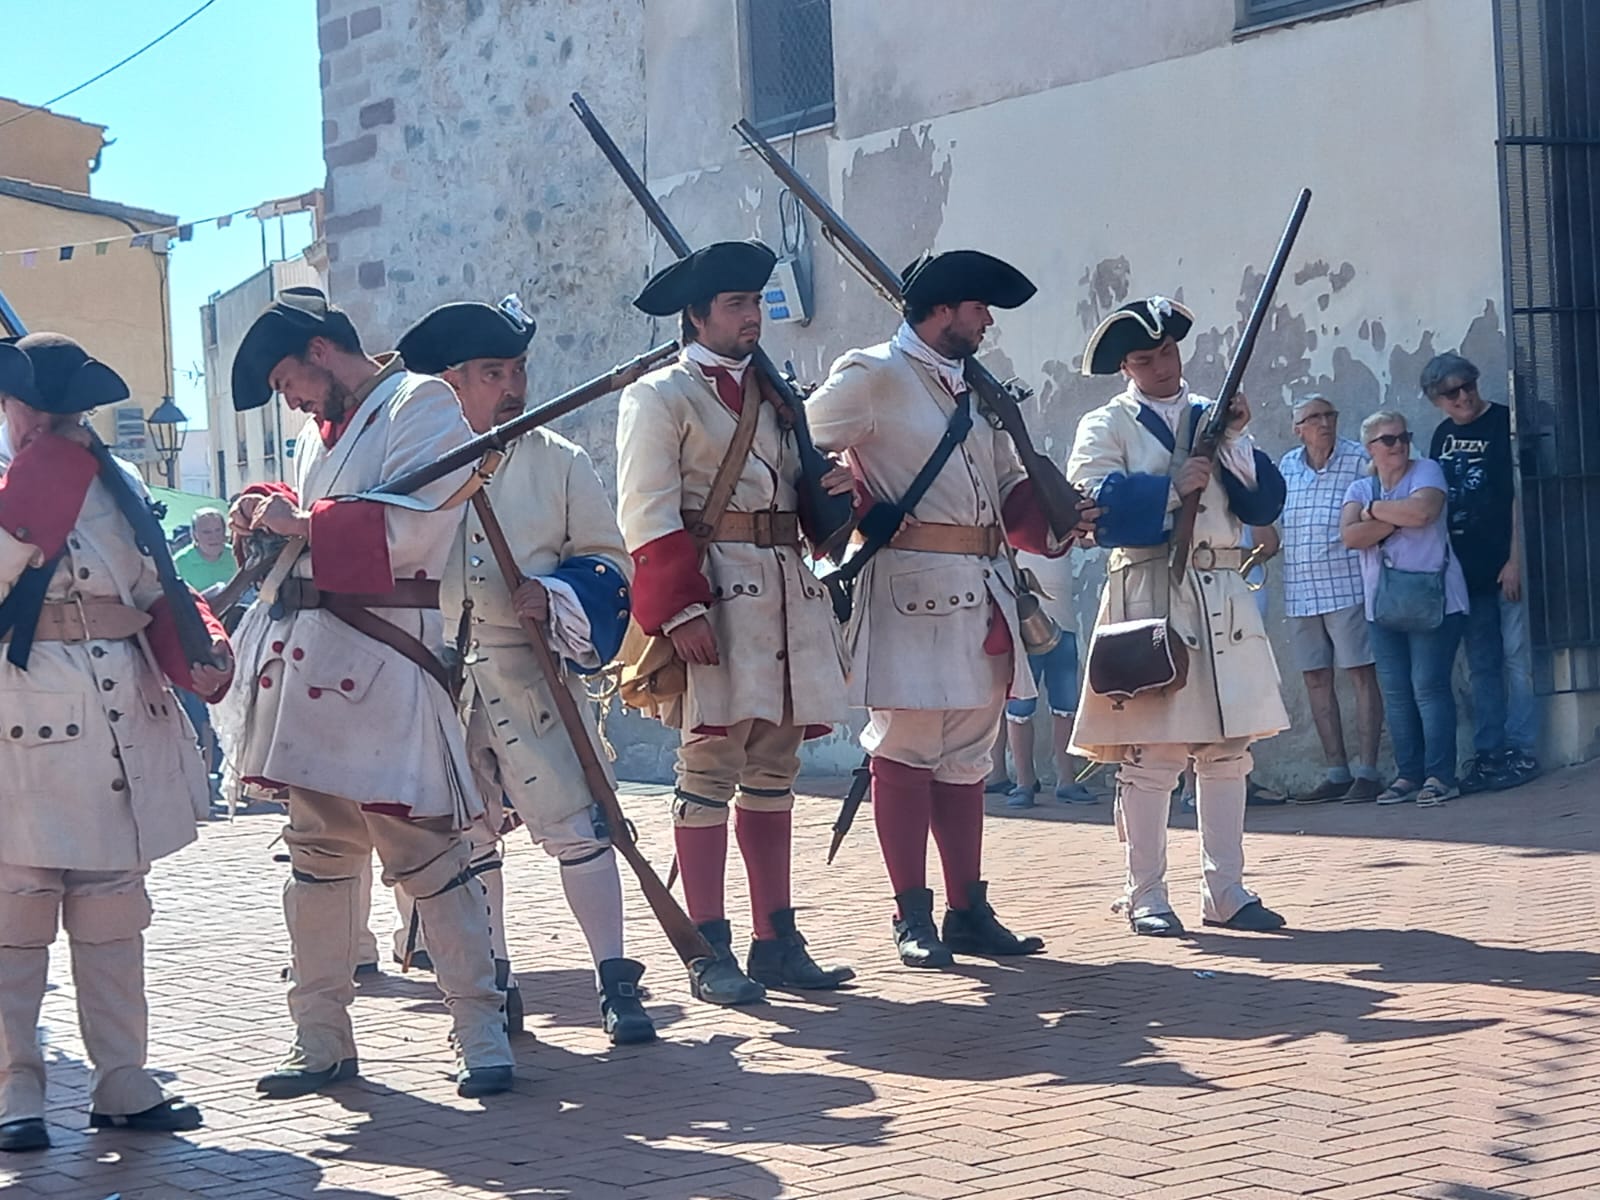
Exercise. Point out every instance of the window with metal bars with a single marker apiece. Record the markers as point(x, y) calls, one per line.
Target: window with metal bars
point(1252, 13)
point(789, 46)
point(1550, 175)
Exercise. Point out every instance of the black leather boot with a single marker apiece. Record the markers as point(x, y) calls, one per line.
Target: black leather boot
point(783, 962)
point(623, 1016)
point(513, 994)
point(292, 1079)
point(29, 1133)
point(170, 1116)
point(976, 930)
point(718, 979)
point(914, 934)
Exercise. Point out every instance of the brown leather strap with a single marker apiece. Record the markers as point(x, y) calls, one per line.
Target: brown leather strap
point(87, 621)
point(350, 611)
point(296, 593)
point(984, 541)
point(732, 464)
point(765, 528)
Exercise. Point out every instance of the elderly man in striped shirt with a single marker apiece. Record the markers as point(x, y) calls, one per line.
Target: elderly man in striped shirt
point(1323, 600)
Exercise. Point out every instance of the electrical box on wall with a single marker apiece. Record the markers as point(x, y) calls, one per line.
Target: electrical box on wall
point(787, 297)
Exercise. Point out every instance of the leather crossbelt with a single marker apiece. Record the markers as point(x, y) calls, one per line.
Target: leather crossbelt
point(984, 541)
point(353, 608)
point(1217, 558)
point(766, 528)
point(296, 593)
point(87, 621)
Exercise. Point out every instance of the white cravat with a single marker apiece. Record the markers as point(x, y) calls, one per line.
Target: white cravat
point(950, 371)
point(701, 356)
point(1237, 452)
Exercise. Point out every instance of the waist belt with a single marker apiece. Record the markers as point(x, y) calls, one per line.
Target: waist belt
point(765, 528)
point(86, 621)
point(353, 609)
point(984, 541)
point(296, 593)
point(1217, 558)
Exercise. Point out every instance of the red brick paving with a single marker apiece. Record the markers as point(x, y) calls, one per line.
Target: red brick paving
point(1430, 1028)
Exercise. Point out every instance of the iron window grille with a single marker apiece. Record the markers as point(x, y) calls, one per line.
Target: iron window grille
point(1253, 14)
point(789, 44)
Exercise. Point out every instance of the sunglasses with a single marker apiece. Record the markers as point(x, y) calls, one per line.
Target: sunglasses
point(1330, 415)
point(1452, 393)
point(1391, 440)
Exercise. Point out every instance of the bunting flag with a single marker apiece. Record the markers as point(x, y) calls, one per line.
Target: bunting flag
point(159, 240)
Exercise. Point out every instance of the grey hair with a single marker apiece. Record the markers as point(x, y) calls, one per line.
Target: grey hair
point(1384, 416)
point(1306, 402)
point(1446, 366)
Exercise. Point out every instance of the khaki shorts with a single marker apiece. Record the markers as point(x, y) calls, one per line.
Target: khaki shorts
point(1335, 639)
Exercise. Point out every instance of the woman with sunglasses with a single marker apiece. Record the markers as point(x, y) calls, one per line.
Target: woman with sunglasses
point(1396, 519)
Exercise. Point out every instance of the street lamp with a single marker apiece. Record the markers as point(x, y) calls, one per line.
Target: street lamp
point(168, 429)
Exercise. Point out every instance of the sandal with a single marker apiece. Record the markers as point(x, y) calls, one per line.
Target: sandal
point(1401, 791)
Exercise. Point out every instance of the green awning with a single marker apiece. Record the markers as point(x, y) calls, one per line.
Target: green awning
point(181, 506)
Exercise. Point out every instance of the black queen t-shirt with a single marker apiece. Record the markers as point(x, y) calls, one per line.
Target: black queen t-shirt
point(1477, 463)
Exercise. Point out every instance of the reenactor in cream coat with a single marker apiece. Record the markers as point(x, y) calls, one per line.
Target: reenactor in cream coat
point(342, 698)
point(933, 639)
point(747, 616)
point(102, 776)
point(1132, 455)
point(563, 533)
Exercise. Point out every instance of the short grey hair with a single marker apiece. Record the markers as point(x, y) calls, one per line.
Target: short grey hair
point(1384, 416)
point(1307, 401)
point(1446, 366)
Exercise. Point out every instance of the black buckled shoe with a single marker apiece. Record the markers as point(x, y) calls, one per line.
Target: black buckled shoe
point(718, 979)
point(472, 1082)
point(27, 1134)
point(976, 930)
point(513, 994)
point(170, 1116)
point(1254, 917)
point(1161, 924)
point(914, 933)
point(784, 962)
point(622, 1013)
point(286, 1083)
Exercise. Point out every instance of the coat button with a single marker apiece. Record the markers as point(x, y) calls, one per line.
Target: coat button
point(738, 589)
point(266, 681)
point(475, 561)
point(314, 693)
point(74, 544)
point(16, 731)
point(114, 715)
point(599, 568)
point(107, 684)
point(1205, 579)
point(753, 589)
point(45, 731)
point(911, 608)
point(277, 647)
point(72, 731)
point(969, 596)
point(297, 654)
point(957, 599)
point(782, 654)
point(97, 651)
point(1238, 635)
point(347, 685)
point(622, 591)
point(83, 572)
point(477, 537)
point(930, 603)
point(119, 785)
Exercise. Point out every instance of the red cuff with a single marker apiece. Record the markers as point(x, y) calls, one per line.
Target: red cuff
point(162, 634)
point(350, 546)
point(666, 580)
point(42, 491)
point(262, 489)
point(1024, 519)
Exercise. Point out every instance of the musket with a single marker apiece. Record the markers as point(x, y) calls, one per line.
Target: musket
point(493, 443)
point(830, 516)
point(860, 781)
point(1001, 402)
point(1214, 423)
point(686, 939)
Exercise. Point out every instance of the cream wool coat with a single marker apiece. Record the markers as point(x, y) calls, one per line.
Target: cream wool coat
point(552, 507)
point(316, 704)
point(1232, 690)
point(772, 619)
point(100, 765)
point(916, 635)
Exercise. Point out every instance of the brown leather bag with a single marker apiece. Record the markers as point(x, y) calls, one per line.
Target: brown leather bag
point(653, 678)
point(1129, 658)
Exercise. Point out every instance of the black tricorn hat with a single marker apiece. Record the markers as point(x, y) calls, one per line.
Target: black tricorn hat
point(709, 271)
point(1141, 325)
point(958, 275)
point(284, 327)
point(54, 374)
point(456, 333)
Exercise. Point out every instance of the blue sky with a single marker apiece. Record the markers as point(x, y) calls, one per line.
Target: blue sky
point(224, 114)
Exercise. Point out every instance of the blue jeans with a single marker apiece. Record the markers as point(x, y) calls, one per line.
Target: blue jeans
point(1505, 711)
point(1414, 676)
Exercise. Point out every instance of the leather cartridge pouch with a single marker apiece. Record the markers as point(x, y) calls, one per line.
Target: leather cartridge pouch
point(653, 677)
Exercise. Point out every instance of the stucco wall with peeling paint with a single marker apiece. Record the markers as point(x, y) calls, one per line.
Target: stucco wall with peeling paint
point(1112, 148)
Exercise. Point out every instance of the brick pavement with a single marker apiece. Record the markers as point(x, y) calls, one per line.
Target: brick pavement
point(1430, 1028)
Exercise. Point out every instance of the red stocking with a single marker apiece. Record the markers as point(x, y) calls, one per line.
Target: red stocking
point(702, 861)
point(900, 809)
point(764, 845)
point(958, 830)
